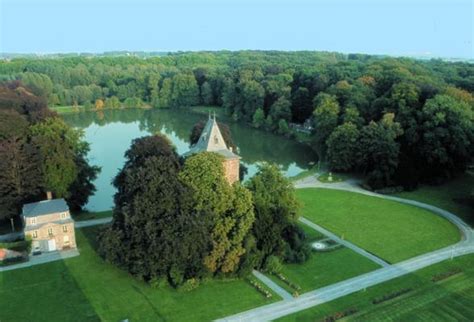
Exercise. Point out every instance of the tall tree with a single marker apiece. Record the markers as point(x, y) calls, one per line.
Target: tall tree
point(447, 143)
point(58, 145)
point(378, 151)
point(20, 177)
point(276, 211)
point(325, 116)
point(227, 209)
point(342, 147)
point(152, 208)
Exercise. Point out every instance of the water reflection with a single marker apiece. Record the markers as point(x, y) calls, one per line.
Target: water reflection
point(110, 133)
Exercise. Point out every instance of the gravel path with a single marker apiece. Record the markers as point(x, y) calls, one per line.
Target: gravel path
point(42, 259)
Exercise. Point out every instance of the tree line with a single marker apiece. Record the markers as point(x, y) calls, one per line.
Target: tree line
point(400, 121)
point(178, 221)
point(39, 153)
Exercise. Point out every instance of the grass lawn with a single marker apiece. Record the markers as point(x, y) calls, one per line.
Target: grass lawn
point(85, 288)
point(91, 215)
point(391, 230)
point(325, 268)
point(305, 173)
point(311, 234)
point(452, 196)
point(66, 109)
point(447, 300)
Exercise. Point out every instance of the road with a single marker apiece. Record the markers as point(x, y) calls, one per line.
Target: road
point(337, 290)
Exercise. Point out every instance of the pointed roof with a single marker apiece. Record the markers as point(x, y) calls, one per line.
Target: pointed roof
point(211, 140)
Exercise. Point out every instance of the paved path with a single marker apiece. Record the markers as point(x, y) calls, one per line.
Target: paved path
point(355, 248)
point(92, 222)
point(334, 291)
point(337, 290)
point(43, 258)
point(272, 285)
point(11, 236)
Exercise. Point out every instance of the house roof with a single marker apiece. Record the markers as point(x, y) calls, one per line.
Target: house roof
point(44, 207)
point(211, 140)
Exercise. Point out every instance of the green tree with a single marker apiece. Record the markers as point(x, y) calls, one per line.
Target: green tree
point(281, 109)
point(112, 102)
point(185, 91)
point(40, 84)
point(207, 97)
point(165, 93)
point(228, 209)
point(276, 210)
point(342, 147)
point(447, 143)
point(258, 119)
point(12, 124)
point(20, 176)
point(379, 151)
point(283, 128)
point(325, 116)
point(58, 145)
point(152, 209)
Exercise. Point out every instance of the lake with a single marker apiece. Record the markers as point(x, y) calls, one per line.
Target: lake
point(111, 132)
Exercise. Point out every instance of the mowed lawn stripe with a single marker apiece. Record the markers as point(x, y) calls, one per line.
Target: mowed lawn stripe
point(388, 229)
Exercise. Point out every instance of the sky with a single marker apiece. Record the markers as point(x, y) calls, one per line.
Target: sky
point(431, 28)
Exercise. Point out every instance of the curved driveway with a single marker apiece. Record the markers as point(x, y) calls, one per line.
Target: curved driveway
point(334, 291)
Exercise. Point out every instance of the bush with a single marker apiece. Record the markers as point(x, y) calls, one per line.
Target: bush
point(176, 276)
point(445, 275)
point(260, 288)
point(189, 285)
point(14, 260)
point(339, 315)
point(18, 246)
point(159, 282)
point(273, 264)
point(390, 296)
point(285, 280)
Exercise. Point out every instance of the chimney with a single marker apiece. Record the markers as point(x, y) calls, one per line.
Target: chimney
point(49, 195)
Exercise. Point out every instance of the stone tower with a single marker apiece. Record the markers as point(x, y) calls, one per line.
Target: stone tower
point(211, 140)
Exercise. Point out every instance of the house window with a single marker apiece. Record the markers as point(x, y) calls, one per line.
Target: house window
point(66, 240)
point(50, 231)
point(63, 215)
point(33, 221)
point(65, 228)
point(35, 234)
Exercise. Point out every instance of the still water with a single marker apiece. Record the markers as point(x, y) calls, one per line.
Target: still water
point(111, 132)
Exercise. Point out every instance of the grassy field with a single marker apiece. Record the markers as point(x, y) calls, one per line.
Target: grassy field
point(452, 196)
point(66, 109)
point(450, 299)
point(391, 230)
point(85, 288)
point(325, 268)
point(92, 215)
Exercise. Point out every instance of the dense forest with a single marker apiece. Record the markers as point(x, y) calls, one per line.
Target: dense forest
point(399, 121)
point(39, 153)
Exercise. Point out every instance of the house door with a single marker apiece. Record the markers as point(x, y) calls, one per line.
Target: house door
point(51, 245)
